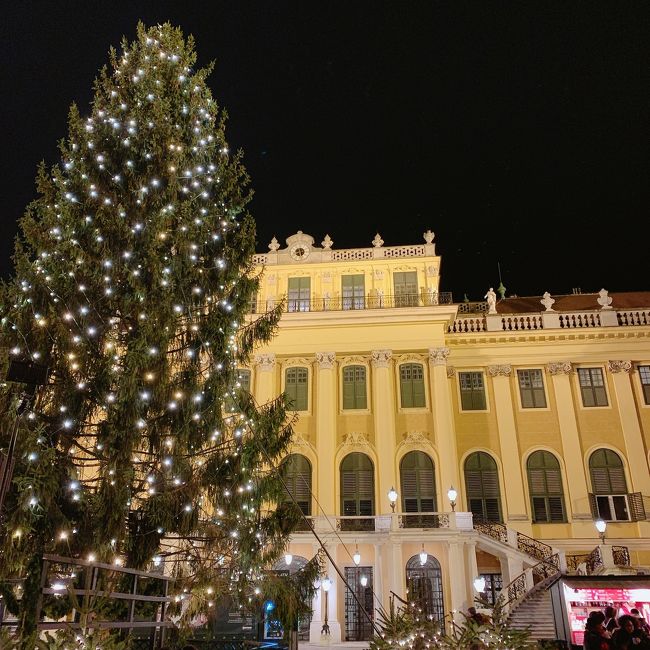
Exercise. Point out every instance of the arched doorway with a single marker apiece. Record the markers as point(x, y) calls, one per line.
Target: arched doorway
point(424, 586)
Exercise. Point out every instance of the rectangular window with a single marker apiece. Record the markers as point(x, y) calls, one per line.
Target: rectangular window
point(531, 389)
point(295, 387)
point(299, 297)
point(472, 391)
point(354, 387)
point(644, 375)
point(592, 387)
point(353, 291)
point(405, 285)
point(411, 378)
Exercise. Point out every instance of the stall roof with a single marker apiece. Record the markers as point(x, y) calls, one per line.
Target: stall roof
point(607, 582)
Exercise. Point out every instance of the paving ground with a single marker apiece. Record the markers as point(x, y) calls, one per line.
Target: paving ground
point(358, 645)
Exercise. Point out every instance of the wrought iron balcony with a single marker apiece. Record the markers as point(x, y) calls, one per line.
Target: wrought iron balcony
point(356, 303)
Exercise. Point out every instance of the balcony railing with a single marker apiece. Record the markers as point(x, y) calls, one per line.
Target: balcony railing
point(356, 303)
point(423, 520)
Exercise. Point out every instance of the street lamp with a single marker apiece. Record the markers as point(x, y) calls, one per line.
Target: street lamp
point(326, 584)
point(601, 527)
point(424, 556)
point(392, 498)
point(288, 558)
point(479, 584)
point(357, 556)
point(452, 494)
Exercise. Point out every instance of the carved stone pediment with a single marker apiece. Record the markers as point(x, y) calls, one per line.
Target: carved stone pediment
point(410, 358)
point(355, 358)
point(416, 438)
point(355, 439)
point(297, 361)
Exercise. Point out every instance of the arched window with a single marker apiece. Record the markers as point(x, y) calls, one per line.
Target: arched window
point(418, 488)
point(354, 387)
point(609, 499)
point(424, 586)
point(295, 387)
point(411, 383)
point(482, 485)
point(298, 563)
point(357, 492)
point(545, 487)
point(296, 470)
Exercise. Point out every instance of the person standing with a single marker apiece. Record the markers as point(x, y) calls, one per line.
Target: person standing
point(610, 622)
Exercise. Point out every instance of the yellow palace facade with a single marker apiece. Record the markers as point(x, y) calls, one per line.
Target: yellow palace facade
point(437, 443)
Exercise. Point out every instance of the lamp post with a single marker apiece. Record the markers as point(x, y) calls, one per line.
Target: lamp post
point(452, 495)
point(326, 583)
point(601, 527)
point(392, 498)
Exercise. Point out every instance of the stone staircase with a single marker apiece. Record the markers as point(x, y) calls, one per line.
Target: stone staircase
point(535, 611)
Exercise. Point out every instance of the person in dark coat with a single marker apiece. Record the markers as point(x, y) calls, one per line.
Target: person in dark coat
point(610, 619)
point(596, 636)
point(623, 637)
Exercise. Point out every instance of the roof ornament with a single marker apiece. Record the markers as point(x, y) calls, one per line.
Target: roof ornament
point(604, 300)
point(274, 245)
point(428, 236)
point(327, 243)
point(377, 242)
point(547, 301)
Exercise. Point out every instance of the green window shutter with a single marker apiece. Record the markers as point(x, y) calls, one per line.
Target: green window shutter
point(296, 384)
point(297, 477)
point(353, 291)
point(482, 486)
point(419, 399)
point(607, 473)
point(299, 294)
point(545, 487)
point(406, 393)
point(357, 485)
point(412, 386)
point(244, 377)
point(354, 387)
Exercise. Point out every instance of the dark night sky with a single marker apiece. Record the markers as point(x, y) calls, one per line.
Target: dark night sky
point(517, 131)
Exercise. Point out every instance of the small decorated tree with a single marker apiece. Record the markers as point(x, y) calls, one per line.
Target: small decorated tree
point(133, 282)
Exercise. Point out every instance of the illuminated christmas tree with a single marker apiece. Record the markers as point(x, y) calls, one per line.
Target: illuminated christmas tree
point(133, 283)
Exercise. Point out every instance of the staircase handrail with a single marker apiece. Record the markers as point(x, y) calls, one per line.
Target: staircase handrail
point(534, 547)
point(493, 529)
point(545, 569)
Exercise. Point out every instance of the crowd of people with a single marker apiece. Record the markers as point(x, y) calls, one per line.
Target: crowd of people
point(604, 631)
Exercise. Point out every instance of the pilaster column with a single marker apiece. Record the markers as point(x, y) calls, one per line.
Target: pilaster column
point(397, 571)
point(510, 457)
point(457, 579)
point(471, 571)
point(381, 593)
point(265, 364)
point(383, 410)
point(636, 455)
point(325, 411)
point(443, 422)
point(572, 451)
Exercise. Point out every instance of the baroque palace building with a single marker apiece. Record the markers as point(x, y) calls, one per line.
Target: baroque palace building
point(536, 411)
